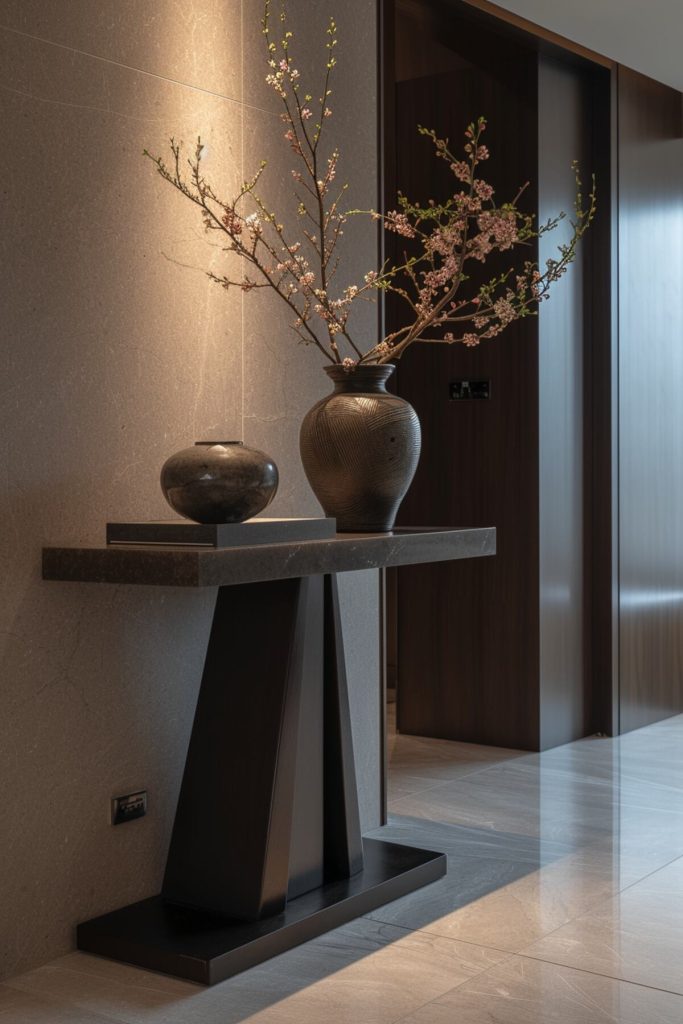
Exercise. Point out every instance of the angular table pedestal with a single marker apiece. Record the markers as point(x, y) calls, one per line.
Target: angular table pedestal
point(266, 850)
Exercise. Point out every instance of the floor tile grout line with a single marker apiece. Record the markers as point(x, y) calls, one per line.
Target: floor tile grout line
point(445, 782)
point(596, 906)
point(523, 951)
point(465, 981)
point(478, 771)
point(422, 792)
point(565, 771)
point(478, 767)
point(599, 974)
point(644, 878)
point(521, 956)
point(72, 969)
point(594, 780)
point(141, 71)
point(583, 846)
point(467, 854)
point(425, 929)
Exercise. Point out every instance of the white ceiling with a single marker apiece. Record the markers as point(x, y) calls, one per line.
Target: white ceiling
point(646, 35)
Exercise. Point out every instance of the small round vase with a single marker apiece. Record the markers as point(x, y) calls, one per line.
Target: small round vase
point(360, 447)
point(219, 482)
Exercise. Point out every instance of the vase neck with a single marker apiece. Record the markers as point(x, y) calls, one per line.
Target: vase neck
point(360, 378)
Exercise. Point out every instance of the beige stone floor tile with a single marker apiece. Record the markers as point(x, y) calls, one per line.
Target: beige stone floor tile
point(468, 841)
point(506, 890)
point(91, 993)
point(636, 936)
point(660, 762)
point(364, 971)
point(502, 904)
point(24, 1008)
point(439, 760)
point(400, 786)
point(522, 991)
point(552, 804)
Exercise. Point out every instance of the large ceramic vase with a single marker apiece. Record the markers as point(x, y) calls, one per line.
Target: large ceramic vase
point(360, 447)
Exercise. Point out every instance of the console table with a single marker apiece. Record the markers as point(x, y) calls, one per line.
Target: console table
point(266, 850)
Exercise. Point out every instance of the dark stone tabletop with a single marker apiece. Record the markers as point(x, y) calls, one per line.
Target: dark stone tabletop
point(208, 567)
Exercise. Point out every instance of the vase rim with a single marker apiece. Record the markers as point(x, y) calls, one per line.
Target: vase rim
point(374, 371)
point(224, 443)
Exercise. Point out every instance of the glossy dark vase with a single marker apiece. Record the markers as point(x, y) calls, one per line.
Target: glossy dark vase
point(219, 482)
point(360, 447)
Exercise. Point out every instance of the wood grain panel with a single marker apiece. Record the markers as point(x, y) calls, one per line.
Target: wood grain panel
point(501, 653)
point(467, 639)
point(651, 410)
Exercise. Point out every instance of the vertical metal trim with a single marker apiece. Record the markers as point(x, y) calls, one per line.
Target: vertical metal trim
point(383, 746)
point(616, 411)
point(382, 12)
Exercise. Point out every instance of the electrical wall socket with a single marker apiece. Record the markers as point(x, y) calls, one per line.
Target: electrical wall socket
point(128, 807)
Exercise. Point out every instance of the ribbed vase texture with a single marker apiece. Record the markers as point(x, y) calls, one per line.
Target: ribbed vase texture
point(360, 447)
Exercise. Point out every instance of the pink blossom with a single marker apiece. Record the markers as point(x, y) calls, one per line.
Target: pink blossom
point(461, 170)
point(501, 227)
point(399, 223)
point(505, 311)
point(483, 190)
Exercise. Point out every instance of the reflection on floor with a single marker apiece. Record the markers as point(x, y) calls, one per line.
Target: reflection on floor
point(563, 903)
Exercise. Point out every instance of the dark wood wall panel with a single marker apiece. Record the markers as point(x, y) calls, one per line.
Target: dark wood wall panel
point(499, 653)
point(467, 635)
point(650, 151)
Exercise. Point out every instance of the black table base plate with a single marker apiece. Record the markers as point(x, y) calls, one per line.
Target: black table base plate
point(194, 945)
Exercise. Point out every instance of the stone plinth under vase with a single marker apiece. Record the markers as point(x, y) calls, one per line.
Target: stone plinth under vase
point(185, 533)
point(360, 447)
point(266, 850)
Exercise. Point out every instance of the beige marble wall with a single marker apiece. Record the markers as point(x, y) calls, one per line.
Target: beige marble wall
point(112, 356)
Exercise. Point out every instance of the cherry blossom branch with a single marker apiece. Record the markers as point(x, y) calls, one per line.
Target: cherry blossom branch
point(441, 238)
